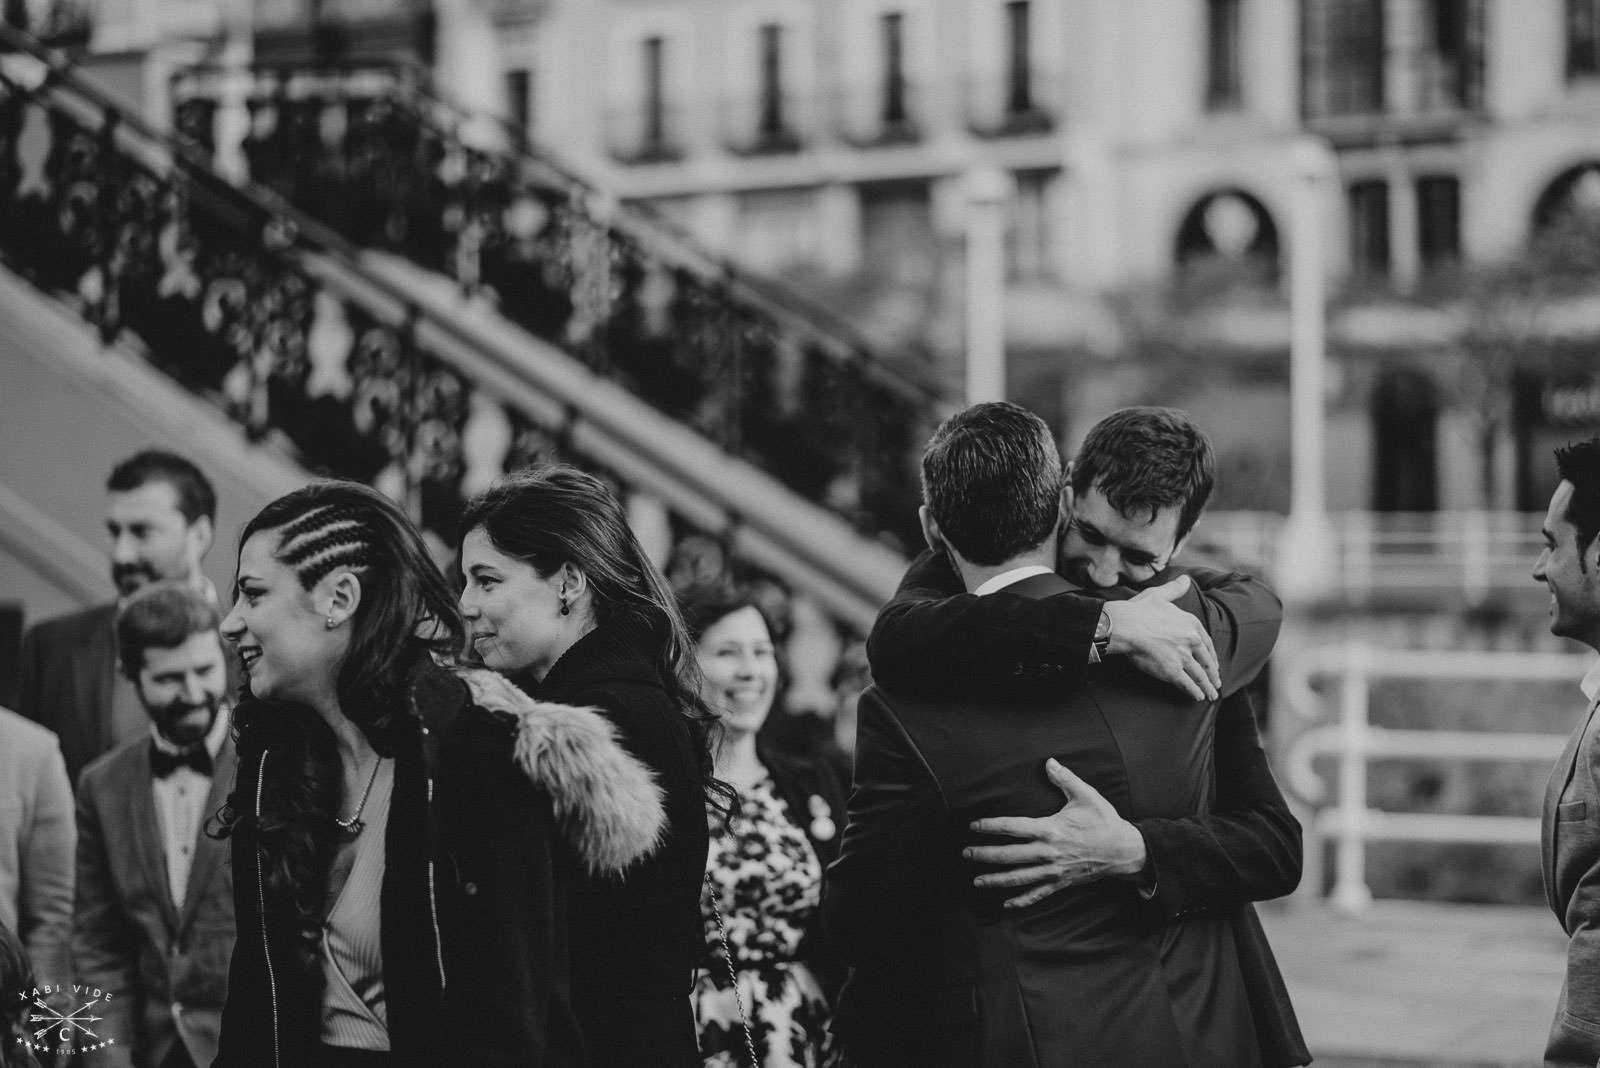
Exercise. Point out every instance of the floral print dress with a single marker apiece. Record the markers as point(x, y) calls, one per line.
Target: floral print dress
point(768, 884)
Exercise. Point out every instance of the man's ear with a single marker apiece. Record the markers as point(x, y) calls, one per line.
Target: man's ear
point(1064, 506)
point(930, 530)
point(203, 531)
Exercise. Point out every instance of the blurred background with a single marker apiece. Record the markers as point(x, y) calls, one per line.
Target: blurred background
point(742, 255)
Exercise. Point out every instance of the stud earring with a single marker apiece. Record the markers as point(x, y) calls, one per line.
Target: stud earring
point(331, 624)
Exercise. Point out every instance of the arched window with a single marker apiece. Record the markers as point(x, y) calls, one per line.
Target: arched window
point(1576, 191)
point(1229, 229)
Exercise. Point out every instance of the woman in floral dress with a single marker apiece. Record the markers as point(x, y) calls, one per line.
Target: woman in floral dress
point(764, 876)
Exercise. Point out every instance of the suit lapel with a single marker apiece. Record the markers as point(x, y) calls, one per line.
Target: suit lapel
point(207, 850)
point(1560, 778)
point(146, 834)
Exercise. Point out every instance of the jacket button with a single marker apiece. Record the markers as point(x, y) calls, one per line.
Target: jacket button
point(471, 889)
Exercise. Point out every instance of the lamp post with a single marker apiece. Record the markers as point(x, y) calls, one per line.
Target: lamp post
point(1305, 568)
point(988, 189)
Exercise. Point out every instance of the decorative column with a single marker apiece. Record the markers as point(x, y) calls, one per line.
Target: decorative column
point(988, 192)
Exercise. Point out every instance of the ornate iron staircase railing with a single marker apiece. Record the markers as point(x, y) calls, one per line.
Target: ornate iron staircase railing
point(382, 157)
point(282, 323)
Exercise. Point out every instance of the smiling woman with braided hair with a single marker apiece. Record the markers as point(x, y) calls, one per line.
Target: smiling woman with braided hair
point(405, 830)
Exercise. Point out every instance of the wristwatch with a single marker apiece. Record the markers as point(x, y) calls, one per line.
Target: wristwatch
point(1102, 638)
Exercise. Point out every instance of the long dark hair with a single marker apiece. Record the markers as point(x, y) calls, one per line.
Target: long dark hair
point(556, 514)
point(407, 616)
point(16, 998)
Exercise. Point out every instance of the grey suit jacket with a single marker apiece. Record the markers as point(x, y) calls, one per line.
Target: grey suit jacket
point(1570, 842)
point(37, 839)
point(167, 970)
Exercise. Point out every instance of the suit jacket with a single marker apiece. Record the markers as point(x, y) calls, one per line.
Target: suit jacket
point(932, 640)
point(1570, 846)
point(37, 839)
point(68, 672)
point(166, 968)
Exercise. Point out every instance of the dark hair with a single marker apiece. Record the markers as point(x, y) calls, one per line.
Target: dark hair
point(555, 514)
point(707, 604)
point(160, 616)
point(991, 478)
point(406, 617)
point(1145, 459)
point(16, 998)
point(196, 496)
point(1579, 464)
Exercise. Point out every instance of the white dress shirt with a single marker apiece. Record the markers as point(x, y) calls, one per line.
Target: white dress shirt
point(1006, 578)
point(180, 801)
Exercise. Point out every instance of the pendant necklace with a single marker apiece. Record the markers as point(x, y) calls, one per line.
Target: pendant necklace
point(355, 824)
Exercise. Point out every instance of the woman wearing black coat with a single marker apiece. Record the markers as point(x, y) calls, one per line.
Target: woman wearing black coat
point(761, 907)
point(406, 834)
point(560, 595)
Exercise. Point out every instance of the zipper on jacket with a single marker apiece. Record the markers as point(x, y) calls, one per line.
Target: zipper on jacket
point(261, 901)
point(433, 900)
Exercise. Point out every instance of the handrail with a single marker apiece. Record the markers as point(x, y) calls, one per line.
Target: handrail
point(300, 336)
point(799, 395)
point(1354, 741)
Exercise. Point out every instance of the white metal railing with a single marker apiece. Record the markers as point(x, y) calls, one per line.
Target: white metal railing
point(1474, 554)
point(1354, 742)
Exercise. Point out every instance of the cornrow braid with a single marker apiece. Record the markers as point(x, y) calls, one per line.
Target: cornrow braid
point(325, 538)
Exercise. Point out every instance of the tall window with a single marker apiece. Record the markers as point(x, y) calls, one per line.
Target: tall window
point(1439, 220)
point(1224, 69)
point(894, 69)
point(519, 99)
point(1369, 229)
point(1019, 66)
point(1583, 38)
point(1450, 64)
point(1029, 247)
point(1342, 57)
point(771, 122)
point(655, 100)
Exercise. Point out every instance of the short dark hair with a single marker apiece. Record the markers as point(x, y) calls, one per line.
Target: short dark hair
point(1145, 459)
point(196, 496)
point(1579, 464)
point(991, 478)
point(160, 616)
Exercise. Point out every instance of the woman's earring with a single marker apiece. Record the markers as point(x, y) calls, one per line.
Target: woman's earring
point(566, 609)
point(331, 624)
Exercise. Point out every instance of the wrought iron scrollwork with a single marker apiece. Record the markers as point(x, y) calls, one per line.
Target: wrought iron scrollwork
point(378, 156)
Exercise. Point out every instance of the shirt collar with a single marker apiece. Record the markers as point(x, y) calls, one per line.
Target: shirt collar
point(214, 737)
point(1007, 578)
point(1591, 682)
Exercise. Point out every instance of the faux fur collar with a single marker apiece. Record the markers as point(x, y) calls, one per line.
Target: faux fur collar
point(605, 799)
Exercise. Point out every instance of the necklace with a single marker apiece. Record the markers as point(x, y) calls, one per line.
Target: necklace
point(355, 824)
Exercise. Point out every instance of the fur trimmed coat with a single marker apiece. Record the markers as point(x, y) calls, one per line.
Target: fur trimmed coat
point(501, 805)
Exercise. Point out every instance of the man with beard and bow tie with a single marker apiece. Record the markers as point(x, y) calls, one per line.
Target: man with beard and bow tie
point(153, 916)
point(160, 513)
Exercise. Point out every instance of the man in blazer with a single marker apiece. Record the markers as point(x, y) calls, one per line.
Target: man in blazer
point(153, 920)
point(1248, 847)
point(1570, 828)
point(37, 839)
point(160, 513)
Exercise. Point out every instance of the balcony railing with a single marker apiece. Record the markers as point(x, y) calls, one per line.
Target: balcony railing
point(645, 135)
point(377, 155)
point(1411, 65)
point(881, 116)
point(287, 328)
point(756, 124)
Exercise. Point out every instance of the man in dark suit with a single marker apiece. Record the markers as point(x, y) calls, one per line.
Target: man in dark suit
point(1570, 828)
point(160, 513)
point(1107, 970)
point(153, 917)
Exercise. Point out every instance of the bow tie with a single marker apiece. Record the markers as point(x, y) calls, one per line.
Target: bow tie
point(163, 763)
